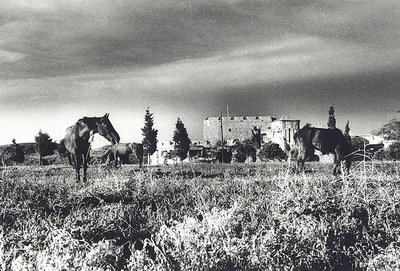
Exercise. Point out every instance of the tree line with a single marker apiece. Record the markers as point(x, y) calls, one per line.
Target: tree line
point(240, 151)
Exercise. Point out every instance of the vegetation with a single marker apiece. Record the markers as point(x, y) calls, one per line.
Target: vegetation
point(393, 151)
point(389, 131)
point(200, 217)
point(181, 139)
point(11, 154)
point(45, 145)
point(243, 150)
point(271, 151)
point(149, 134)
point(331, 119)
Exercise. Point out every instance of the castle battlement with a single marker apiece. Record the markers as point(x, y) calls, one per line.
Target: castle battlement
point(241, 127)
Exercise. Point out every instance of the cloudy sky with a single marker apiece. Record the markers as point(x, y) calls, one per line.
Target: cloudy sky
point(61, 60)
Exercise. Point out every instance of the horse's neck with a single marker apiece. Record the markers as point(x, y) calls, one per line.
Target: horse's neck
point(85, 131)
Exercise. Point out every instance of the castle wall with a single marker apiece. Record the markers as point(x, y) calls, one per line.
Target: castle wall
point(283, 131)
point(239, 128)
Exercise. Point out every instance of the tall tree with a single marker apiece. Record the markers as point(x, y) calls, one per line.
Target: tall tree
point(149, 134)
point(331, 119)
point(181, 139)
point(44, 145)
point(389, 131)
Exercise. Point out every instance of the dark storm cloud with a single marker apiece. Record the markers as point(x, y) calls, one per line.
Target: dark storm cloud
point(54, 38)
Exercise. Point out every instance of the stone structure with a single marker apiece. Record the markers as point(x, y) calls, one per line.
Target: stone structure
point(242, 128)
point(283, 131)
point(239, 128)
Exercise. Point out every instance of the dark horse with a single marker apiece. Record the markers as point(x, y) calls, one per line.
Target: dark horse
point(122, 151)
point(308, 139)
point(77, 138)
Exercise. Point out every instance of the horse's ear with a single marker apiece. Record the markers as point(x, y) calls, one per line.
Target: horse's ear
point(106, 115)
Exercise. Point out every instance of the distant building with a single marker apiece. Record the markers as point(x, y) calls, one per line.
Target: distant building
point(283, 130)
point(241, 128)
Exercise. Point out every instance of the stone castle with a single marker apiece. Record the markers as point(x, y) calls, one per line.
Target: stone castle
point(242, 128)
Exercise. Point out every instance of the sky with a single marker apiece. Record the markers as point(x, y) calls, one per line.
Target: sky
point(61, 60)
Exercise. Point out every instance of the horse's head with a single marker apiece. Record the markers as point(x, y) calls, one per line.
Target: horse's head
point(106, 129)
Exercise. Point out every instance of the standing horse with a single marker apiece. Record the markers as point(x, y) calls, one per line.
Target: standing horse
point(122, 151)
point(308, 139)
point(77, 138)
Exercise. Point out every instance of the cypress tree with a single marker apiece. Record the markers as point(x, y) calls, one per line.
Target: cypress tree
point(181, 139)
point(331, 119)
point(149, 134)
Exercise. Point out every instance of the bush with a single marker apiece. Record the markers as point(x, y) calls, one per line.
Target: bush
point(13, 153)
point(271, 151)
point(393, 151)
point(245, 149)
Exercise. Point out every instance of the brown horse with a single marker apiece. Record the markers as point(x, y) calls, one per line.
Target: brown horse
point(308, 139)
point(77, 138)
point(122, 151)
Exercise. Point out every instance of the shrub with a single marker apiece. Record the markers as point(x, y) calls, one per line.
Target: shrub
point(245, 149)
point(393, 151)
point(271, 151)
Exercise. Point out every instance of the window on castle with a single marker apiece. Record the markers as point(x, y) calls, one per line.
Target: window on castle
point(230, 129)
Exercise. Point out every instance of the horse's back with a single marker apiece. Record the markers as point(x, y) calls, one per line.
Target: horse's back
point(69, 139)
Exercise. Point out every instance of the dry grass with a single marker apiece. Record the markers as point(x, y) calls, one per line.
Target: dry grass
point(201, 217)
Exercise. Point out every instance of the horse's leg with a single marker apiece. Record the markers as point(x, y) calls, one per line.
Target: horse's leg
point(336, 163)
point(85, 162)
point(77, 167)
point(348, 164)
point(115, 160)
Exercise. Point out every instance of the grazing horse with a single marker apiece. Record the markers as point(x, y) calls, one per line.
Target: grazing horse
point(122, 151)
point(308, 139)
point(77, 138)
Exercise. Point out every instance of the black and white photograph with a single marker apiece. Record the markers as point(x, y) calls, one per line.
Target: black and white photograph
point(200, 135)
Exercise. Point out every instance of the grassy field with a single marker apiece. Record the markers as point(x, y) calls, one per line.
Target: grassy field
point(201, 217)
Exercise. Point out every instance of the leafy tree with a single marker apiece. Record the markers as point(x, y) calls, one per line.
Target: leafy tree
point(389, 131)
point(393, 151)
point(331, 119)
point(271, 151)
point(245, 149)
point(149, 134)
point(181, 139)
point(44, 145)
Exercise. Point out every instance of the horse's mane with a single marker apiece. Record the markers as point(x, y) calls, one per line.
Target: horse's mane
point(89, 121)
point(307, 125)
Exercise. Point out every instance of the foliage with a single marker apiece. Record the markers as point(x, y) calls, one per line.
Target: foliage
point(45, 145)
point(243, 150)
point(224, 156)
point(393, 151)
point(61, 148)
point(149, 134)
point(389, 131)
point(331, 119)
point(12, 153)
point(271, 151)
point(181, 139)
point(380, 155)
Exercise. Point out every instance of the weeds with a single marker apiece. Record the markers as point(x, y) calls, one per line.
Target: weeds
point(201, 217)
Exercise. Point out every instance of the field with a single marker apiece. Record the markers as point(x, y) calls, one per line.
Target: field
point(201, 217)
